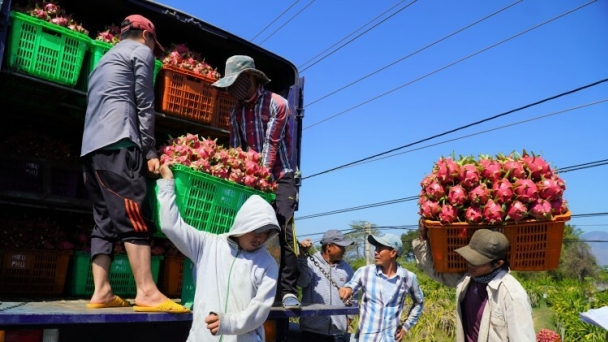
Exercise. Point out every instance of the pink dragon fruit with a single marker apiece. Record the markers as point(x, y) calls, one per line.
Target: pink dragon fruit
point(541, 209)
point(493, 212)
point(446, 170)
point(560, 182)
point(427, 180)
point(526, 190)
point(473, 215)
point(435, 191)
point(559, 206)
point(503, 191)
point(430, 210)
point(549, 189)
point(514, 170)
point(469, 176)
point(491, 169)
point(480, 194)
point(517, 211)
point(537, 165)
point(457, 195)
point(448, 214)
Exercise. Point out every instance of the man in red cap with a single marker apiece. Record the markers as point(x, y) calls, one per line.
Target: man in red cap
point(118, 150)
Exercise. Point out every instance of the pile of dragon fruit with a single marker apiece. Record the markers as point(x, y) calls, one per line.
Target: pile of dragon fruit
point(111, 35)
point(492, 190)
point(51, 12)
point(232, 164)
point(180, 56)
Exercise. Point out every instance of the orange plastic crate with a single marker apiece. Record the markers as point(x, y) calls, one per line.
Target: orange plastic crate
point(171, 276)
point(224, 103)
point(33, 272)
point(186, 94)
point(533, 245)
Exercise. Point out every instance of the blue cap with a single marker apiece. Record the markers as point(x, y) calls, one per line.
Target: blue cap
point(388, 240)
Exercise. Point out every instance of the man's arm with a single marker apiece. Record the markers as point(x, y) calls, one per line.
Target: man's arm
point(417, 305)
point(306, 272)
point(275, 132)
point(143, 69)
point(235, 137)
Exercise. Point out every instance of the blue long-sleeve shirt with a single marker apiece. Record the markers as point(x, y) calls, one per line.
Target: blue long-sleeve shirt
point(380, 310)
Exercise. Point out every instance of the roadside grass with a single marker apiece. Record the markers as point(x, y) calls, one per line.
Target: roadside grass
point(543, 317)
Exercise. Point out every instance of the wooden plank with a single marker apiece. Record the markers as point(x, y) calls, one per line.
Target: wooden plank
point(66, 312)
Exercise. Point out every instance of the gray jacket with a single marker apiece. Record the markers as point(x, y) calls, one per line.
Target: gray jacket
point(507, 315)
point(316, 288)
point(120, 100)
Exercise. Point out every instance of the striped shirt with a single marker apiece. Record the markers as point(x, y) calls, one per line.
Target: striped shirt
point(379, 316)
point(263, 124)
point(316, 288)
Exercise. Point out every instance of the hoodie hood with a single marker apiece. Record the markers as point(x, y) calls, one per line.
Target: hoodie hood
point(255, 213)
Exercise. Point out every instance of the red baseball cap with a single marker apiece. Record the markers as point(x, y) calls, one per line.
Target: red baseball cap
point(139, 22)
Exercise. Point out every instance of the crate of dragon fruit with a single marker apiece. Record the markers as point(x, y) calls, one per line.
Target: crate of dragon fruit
point(212, 182)
point(519, 195)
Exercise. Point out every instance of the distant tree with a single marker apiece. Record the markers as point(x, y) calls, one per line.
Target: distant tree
point(407, 239)
point(576, 259)
point(357, 234)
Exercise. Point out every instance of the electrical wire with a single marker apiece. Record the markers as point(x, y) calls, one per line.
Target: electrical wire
point(450, 65)
point(411, 54)
point(487, 131)
point(413, 198)
point(288, 20)
point(357, 37)
point(275, 19)
point(460, 128)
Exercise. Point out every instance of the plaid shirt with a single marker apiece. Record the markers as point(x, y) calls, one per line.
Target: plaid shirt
point(263, 124)
point(379, 317)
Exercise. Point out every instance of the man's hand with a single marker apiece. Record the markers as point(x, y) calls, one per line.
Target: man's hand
point(345, 293)
point(400, 333)
point(154, 166)
point(213, 323)
point(305, 246)
point(165, 171)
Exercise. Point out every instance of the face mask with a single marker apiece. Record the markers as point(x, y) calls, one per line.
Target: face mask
point(240, 88)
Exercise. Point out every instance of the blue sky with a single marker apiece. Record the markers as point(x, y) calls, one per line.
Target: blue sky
point(440, 89)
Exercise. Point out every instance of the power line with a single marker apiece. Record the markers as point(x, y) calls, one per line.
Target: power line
point(449, 65)
point(487, 131)
point(275, 19)
point(288, 20)
point(355, 38)
point(413, 198)
point(459, 128)
point(411, 54)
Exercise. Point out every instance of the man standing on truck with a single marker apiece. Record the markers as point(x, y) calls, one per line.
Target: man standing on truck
point(261, 121)
point(118, 148)
point(321, 275)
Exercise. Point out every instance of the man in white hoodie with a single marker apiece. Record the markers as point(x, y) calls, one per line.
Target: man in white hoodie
point(236, 277)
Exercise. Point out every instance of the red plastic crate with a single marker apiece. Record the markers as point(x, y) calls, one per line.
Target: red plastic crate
point(33, 272)
point(172, 272)
point(533, 245)
point(224, 103)
point(186, 94)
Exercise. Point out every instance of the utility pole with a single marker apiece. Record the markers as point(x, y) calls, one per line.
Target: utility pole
point(369, 257)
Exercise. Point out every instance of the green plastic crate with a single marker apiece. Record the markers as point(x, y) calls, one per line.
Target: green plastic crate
point(206, 202)
point(80, 278)
point(45, 50)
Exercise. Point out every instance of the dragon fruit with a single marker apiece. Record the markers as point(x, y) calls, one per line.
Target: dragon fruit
point(502, 191)
point(549, 189)
point(517, 211)
point(469, 176)
point(457, 195)
point(537, 166)
point(435, 191)
point(446, 170)
point(491, 169)
point(514, 170)
point(526, 190)
point(541, 209)
point(559, 206)
point(430, 209)
point(448, 214)
point(473, 215)
point(480, 194)
point(493, 212)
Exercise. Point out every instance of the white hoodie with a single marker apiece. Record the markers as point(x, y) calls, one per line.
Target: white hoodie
point(238, 286)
